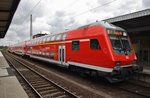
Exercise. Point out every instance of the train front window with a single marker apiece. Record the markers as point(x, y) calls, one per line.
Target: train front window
point(120, 42)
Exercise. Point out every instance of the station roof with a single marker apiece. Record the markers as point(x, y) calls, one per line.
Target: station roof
point(7, 10)
point(133, 22)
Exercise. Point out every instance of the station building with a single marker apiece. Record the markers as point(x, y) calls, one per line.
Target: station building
point(137, 25)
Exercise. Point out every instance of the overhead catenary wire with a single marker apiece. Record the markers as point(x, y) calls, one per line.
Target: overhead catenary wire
point(102, 5)
point(71, 16)
point(26, 17)
point(31, 10)
point(107, 3)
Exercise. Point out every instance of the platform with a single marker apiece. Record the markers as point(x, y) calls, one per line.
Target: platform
point(146, 68)
point(144, 75)
point(9, 85)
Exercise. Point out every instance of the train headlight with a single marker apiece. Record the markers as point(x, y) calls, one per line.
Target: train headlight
point(118, 63)
point(125, 34)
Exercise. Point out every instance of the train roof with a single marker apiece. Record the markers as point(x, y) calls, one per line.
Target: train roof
point(99, 23)
point(103, 24)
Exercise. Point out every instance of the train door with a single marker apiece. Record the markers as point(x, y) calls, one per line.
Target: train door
point(30, 51)
point(23, 51)
point(62, 54)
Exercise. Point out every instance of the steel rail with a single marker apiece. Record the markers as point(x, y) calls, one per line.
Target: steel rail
point(68, 92)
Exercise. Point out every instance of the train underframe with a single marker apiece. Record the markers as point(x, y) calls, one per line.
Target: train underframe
point(123, 73)
point(117, 75)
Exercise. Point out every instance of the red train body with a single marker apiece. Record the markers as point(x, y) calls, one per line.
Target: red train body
point(99, 47)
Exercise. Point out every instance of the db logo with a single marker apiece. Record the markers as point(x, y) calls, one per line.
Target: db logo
point(127, 57)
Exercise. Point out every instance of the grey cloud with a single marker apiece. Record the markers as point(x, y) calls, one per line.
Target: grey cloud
point(59, 23)
point(116, 8)
point(103, 9)
point(55, 24)
point(19, 28)
point(21, 13)
point(146, 3)
point(24, 10)
point(59, 14)
point(102, 1)
point(17, 33)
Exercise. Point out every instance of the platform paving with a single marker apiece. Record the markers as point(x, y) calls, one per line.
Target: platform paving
point(11, 88)
point(146, 71)
point(146, 68)
point(9, 85)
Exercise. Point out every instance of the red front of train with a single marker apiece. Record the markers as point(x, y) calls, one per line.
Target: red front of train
point(100, 47)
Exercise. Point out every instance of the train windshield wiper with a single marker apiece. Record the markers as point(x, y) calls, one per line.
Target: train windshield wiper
point(118, 49)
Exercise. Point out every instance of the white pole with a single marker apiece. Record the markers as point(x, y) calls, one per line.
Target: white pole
point(31, 26)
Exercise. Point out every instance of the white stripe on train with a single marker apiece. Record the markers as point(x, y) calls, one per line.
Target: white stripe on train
point(75, 64)
point(78, 64)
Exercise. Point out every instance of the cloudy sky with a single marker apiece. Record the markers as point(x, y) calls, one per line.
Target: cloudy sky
point(55, 16)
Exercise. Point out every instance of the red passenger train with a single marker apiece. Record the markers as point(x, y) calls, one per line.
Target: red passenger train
point(98, 47)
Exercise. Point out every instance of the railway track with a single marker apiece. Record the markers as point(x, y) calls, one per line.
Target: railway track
point(136, 87)
point(41, 85)
point(130, 87)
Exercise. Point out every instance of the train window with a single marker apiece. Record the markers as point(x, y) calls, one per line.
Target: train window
point(37, 42)
point(33, 42)
point(52, 55)
point(48, 39)
point(40, 41)
point(53, 37)
point(75, 45)
point(44, 40)
point(94, 44)
point(58, 38)
point(47, 54)
point(64, 36)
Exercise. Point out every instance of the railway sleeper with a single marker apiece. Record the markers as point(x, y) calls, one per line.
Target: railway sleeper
point(61, 96)
point(33, 77)
point(23, 69)
point(48, 91)
point(45, 88)
point(38, 82)
point(55, 94)
point(42, 85)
